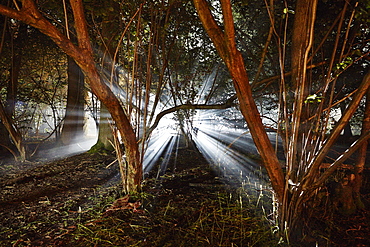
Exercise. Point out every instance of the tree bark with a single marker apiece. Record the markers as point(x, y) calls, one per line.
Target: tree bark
point(105, 136)
point(74, 116)
point(361, 157)
point(224, 41)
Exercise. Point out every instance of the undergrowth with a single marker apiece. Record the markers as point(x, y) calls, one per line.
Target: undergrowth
point(182, 216)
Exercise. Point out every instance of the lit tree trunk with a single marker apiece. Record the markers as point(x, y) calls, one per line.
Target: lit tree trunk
point(299, 126)
point(105, 136)
point(74, 116)
point(224, 41)
point(83, 55)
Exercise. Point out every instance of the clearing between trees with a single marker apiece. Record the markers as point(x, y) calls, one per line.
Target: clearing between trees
point(77, 201)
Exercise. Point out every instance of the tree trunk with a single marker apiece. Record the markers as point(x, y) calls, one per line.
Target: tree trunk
point(106, 96)
point(361, 157)
point(18, 44)
point(299, 131)
point(12, 88)
point(105, 135)
point(74, 117)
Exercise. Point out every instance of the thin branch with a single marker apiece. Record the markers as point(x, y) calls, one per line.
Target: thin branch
point(229, 103)
point(16, 5)
point(315, 163)
point(270, 79)
point(66, 18)
point(340, 160)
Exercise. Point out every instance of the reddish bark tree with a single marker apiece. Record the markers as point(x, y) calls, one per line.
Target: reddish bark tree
point(83, 56)
point(291, 200)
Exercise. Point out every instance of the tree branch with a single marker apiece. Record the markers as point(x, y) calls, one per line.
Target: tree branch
point(81, 26)
point(228, 104)
point(340, 160)
point(30, 15)
point(210, 25)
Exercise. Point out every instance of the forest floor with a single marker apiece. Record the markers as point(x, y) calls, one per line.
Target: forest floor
point(77, 201)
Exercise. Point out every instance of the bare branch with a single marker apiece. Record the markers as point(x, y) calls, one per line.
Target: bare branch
point(340, 160)
point(229, 103)
point(362, 89)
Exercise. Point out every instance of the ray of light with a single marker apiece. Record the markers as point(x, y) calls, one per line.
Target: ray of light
point(160, 144)
point(230, 150)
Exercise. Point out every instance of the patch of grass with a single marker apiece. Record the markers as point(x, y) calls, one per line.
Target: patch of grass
point(179, 219)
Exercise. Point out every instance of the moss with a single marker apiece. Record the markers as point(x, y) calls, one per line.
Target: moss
point(99, 147)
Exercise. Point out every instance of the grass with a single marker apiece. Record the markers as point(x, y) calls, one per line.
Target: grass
point(179, 217)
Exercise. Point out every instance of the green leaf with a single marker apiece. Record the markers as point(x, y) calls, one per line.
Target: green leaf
point(288, 11)
point(313, 98)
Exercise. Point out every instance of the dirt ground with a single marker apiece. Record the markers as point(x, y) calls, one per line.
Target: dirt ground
point(40, 203)
point(73, 202)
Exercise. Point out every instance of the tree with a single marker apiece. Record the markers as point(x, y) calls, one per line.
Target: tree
point(152, 66)
point(291, 191)
point(83, 56)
